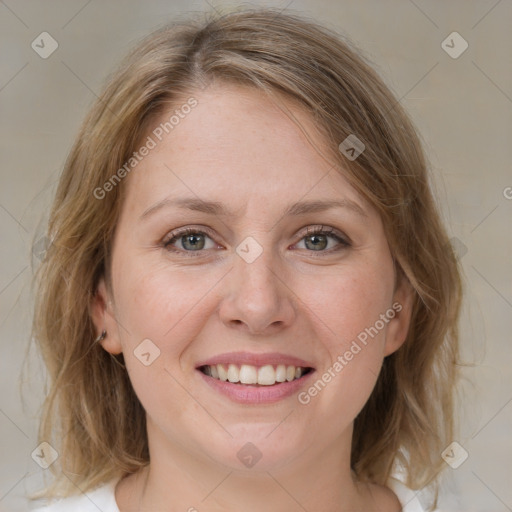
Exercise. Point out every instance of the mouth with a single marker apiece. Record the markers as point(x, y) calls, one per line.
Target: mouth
point(255, 379)
point(252, 375)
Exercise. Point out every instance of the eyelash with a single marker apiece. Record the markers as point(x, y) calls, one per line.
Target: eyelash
point(316, 230)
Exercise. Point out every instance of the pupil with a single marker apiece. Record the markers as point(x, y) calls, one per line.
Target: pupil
point(196, 241)
point(315, 242)
point(319, 242)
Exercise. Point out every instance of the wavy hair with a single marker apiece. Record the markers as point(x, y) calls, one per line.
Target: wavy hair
point(409, 417)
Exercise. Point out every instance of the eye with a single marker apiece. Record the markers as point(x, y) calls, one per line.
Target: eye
point(189, 240)
point(192, 240)
point(318, 239)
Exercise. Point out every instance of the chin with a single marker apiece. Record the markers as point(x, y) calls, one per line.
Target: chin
point(255, 449)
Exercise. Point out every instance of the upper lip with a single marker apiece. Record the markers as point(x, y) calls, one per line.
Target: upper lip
point(272, 358)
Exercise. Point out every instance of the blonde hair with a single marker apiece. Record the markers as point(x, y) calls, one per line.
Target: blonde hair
point(91, 413)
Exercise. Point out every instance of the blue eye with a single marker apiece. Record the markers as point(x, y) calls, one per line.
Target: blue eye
point(192, 241)
point(317, 239)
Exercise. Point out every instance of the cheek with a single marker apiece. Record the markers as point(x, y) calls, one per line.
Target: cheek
point(156, 299)
point(157, 302)
point(167, 307)
point(350, 302)
point(349, 309)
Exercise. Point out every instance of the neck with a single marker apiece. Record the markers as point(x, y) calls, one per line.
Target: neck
point(179, 480)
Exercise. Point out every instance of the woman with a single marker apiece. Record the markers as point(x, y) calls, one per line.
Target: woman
point(249, 301)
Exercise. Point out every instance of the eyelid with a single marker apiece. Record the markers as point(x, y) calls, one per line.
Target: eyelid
point(328, 231)
point(343, 240)
point(175, 233)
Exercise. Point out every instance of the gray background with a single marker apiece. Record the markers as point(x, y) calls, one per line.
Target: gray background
point(462, 106)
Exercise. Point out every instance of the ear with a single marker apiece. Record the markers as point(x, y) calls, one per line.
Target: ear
point(398, 326)
point(103, 317)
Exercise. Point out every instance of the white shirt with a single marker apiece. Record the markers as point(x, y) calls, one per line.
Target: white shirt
point(103, 498)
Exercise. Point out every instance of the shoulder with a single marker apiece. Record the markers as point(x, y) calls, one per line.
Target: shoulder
point(407, 497)
point(102, 498)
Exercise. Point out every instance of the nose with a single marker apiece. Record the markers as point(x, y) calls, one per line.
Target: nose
point(257, 298)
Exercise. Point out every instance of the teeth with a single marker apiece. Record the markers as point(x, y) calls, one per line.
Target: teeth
point(233, 373)
point(248, 374)
point(266, 375)
point(281, 373)
point(223, 374)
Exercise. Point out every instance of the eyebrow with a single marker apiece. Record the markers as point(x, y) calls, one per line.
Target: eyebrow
point(216, 208)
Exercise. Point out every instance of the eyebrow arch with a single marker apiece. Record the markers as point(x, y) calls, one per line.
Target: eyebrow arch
point(303, 207)
point(216, 208)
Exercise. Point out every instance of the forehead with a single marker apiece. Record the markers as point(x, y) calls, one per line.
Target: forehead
point(239, 147)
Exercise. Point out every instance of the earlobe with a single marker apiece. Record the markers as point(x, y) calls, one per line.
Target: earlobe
point(104, 320)
point(398, 327)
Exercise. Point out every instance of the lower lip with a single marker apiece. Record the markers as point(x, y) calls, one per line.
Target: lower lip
point(250, 394)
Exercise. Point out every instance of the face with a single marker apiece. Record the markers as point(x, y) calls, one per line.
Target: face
point(241, 253)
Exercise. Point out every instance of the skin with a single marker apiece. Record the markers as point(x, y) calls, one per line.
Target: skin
point(238, 148)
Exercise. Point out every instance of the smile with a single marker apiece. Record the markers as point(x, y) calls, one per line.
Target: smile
point(255, 379)
point(246, 374)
